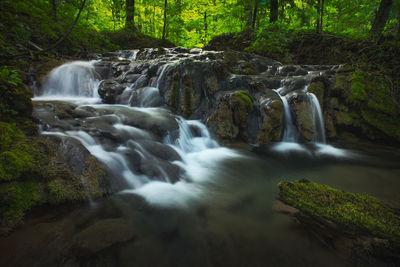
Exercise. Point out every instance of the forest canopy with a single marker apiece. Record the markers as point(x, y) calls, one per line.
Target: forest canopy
point(189, 23)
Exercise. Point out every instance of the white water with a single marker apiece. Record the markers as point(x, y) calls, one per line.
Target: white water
point(319, 126)
point(289, 141)
point(289, 130)
point(74, 79)
point(76, 82)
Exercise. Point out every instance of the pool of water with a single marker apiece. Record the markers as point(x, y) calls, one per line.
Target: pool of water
point(224, 220)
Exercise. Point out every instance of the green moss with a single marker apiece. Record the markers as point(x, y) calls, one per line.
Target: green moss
point(355, 212)
point(16, 199)
point(245, 96)
point(387, 124)
point(341, 87)
point(318, 89)
point(17, 155)
point(60, 191)
point(357, 90)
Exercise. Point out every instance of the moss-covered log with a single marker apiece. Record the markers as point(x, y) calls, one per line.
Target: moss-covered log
point(356, 224)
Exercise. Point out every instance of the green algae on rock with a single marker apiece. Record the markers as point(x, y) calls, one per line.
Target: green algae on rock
point(359, 213)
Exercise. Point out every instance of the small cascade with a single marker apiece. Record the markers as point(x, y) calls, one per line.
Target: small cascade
point(140, 146)
point(289, 130)
point(319, 126)
point(134, 55)
point(188, 142)
point(161, 76)
point(78, 79)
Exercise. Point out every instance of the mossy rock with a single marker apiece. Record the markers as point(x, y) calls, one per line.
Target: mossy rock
point(231, 114)
point(270, 129)
point(221, 122)
point(35, 171)
point(388, 125)
point(356, 213)
point(318, 89)
point(18, 156)
point(15, 199)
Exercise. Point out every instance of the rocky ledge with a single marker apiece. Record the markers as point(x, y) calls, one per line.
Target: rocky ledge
point(360, 227)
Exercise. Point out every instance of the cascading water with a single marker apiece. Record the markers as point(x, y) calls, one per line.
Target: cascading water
point(145, 149)
point(319, 126)
point(290, 136)
point(289, 130)
point(78, 79)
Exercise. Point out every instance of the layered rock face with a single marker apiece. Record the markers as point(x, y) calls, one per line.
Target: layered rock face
point(238, 95)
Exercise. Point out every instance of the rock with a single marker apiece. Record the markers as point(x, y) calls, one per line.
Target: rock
point(146, 97)
point(303, 115)
point(351, 223)
point(271, 109)
point(36, 171)
point(102, 235)
point(231, 114)
point(109, 90)
point(318, 89)
point(159, 150)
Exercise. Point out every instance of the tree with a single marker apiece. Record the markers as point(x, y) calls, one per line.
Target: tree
point(130, 14)
point(381, 18)
point(320, 14)
point(165, 19)
point(61, 39)
point(273, 15)
point(256, 2)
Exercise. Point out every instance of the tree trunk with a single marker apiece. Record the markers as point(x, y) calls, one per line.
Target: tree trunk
point(273, 15)
point(398, 24)
point(59, 41)
point(165, 19)
point(54, 8)
point(205, 27)
point(282, 13)
point(255, 13)
point(248, 7)
point(318, 16)
point(381, 19)
point(130, 14)
point(322, 15)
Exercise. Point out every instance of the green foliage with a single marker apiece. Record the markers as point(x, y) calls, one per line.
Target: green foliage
point(361, 213)
point(272, 40)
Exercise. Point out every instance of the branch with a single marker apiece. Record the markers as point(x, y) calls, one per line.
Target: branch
point(66, 33)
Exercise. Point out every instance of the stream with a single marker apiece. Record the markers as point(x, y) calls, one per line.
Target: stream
point(177, 196)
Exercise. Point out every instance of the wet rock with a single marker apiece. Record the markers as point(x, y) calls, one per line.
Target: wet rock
point(293, 84)
point(304, 120)
point(146, 97)
point(131, 78)
point(102, 235)
point(271, 124)
point(109, 90)
point(159, 150)
point(104, 69)
point(231, 114)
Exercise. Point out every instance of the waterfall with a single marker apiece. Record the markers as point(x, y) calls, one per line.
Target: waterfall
point(319, 126)
point(289, 130)
point(77, 79)
point(128, 140)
